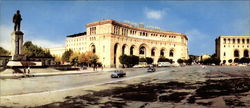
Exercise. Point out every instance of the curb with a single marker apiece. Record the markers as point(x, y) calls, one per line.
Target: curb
point(15, 76)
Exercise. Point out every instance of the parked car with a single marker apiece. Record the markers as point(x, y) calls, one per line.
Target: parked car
point(118, 74)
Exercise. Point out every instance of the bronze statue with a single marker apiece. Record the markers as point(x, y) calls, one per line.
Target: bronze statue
point(17, 20)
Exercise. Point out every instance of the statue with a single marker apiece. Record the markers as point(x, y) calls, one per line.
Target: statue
point(17, 20)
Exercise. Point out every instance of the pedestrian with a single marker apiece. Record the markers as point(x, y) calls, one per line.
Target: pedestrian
point(28, 70)
point(24, 70)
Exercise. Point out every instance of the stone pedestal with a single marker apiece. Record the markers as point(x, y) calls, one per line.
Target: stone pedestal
point(17, 44)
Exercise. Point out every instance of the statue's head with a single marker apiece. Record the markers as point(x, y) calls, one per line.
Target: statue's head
point(18, 11)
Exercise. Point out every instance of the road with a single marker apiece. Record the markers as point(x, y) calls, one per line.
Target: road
point(28, 85)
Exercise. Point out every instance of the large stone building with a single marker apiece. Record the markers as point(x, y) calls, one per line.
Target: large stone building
point(110, 39)
point(231, 47)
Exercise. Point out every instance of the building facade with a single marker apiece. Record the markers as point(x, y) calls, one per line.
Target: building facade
point(110, 39)
point(230, 47)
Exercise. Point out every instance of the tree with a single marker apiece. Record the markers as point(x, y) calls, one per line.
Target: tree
point(163, 59)
point(142, 59)
point(189, 61)
point(180, 61)
point(149, 60)
point(244, 60)
point(129, 61)
point(124, 60)
point(91, 57)
point(4, 52)
point(66, 55)
point(31, 50)
point(74, 58)
point(236, 60)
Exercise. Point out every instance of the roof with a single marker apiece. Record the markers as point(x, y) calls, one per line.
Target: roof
point(110, 21)
point(78, 34)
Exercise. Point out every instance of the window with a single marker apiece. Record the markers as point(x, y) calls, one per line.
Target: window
point(246, 53)
point(225, 41)
point(243, 41)
point(233, 41)
point(238, 41)
point(248, 41)
point(92, 30)
point(224, 54)
point(236, 53)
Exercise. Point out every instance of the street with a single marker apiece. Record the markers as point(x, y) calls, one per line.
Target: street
point(43, 84)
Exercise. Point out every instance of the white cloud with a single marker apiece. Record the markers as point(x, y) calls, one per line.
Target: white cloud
point(154, 14)
point(5, 36)
point(5, 39)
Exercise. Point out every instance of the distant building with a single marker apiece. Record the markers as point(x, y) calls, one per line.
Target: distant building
point(110, 39)
point(57, 52)
point(231, 47)
point(204, 57)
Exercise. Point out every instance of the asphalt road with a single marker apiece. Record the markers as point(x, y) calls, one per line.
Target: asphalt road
point(9, 87)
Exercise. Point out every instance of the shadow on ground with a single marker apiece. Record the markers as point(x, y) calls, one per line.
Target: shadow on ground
point(170, 92)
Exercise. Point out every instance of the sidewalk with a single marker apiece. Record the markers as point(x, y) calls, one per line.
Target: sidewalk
point(9, 75)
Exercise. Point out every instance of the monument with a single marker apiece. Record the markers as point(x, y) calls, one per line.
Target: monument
point(16, 41)
point(17, 37)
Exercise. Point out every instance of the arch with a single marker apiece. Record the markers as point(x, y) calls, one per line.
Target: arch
point(236, 53)
point(92, 47)
point(131, 51)
point(124, 46)
point(246, 53)
point(115, 52)
point(143, 49)
point(153, 51)
point(162, 52)
point(171, 53)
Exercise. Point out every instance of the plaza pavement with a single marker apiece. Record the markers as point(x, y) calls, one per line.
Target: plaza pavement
point(8, 73)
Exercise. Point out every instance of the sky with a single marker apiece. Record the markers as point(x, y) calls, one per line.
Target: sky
point(47, 22)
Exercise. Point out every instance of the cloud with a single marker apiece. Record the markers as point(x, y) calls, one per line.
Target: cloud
point(5, 36)
point(154, 14)
point(5, 39)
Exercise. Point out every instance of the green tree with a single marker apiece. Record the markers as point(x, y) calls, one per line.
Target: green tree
point(4, 52)
point(180, 61)
point(244, 60)
point(66, 55)
point(236, 60)
point(129, 61)
point(133, 60)
point(149, 60)
point(189, 61)
point(31, 50)
point(124, 60)
point(163, 59)
point(142, 59)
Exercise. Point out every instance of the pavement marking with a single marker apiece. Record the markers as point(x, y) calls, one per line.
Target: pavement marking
point(87, 86)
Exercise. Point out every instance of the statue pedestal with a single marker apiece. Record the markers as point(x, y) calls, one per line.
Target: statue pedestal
point(17, 44)
point(14, 63)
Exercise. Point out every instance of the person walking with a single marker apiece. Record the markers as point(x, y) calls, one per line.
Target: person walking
point(28, 70)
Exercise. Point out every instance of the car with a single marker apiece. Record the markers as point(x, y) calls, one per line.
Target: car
point(118, 74)
point(151, 69)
